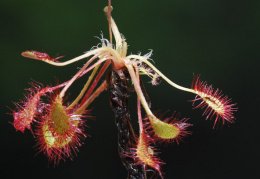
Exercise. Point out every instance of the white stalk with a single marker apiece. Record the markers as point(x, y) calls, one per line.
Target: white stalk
point(139, 90)
point(144, 59)
point(101, 51)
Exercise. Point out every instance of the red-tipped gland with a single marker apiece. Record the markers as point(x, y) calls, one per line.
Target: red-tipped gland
point(39, 56)
point(25, 115)
point(60, 132)
point(172, 130)
point(183, 127)
point(215, 104)
point(145, 154)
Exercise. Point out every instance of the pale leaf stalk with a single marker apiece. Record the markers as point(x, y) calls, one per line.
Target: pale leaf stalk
point(62, 93)
point(82, 92)
point(139, 90)
point(144, 59)
point(102, 51)
point(94, 95)
point(95, 81)
point(139, 111)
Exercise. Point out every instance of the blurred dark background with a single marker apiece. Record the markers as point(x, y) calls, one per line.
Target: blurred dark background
point(218, 39)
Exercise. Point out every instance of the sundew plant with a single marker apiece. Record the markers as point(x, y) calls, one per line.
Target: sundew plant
point(58, 123)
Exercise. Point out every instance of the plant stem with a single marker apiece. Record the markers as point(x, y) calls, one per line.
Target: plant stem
point(118, 89)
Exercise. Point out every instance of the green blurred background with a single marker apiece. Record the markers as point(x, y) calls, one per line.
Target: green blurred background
point(218, 39)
